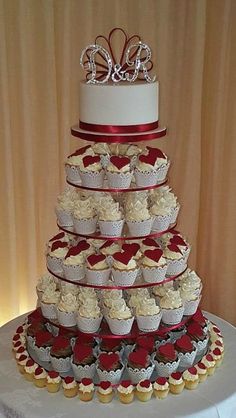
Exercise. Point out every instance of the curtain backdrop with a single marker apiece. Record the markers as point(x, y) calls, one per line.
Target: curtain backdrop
point(193, 44)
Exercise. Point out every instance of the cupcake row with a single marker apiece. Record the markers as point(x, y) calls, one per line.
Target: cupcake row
point(144, 168)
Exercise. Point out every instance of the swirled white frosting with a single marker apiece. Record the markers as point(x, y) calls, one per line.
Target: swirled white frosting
point(90, 309)
point(100, 265)
point(101, 148)
point(171, 300)
point(105, 391)
point(161, 208)
point(135, 300)
point(200, 371)
point(69, 288)
point(112, 294)
point(59, 252)
point(77, 159)
point(68, 303)
point(190, 281)
point(208, 363)
point(173, 381)
point(161, 289)
point(129, 266)
point(110, 212)
point(84, 209)
point(75, 260)
point(147, 307)
point(142, 292)
point(120, 311)
point(94, 167)
point(31, 369)
point(149, 262)
point(51, 295)
point(111, 249)
point(87, 293)
point(45, 281)
point(188, 295)
point(137, 212)
point(172, 255)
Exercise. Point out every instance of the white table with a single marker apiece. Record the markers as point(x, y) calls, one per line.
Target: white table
point(214, 398)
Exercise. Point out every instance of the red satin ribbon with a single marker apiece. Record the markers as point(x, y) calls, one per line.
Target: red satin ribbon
point(118, 129)
point(133, 189)
point(121, 139)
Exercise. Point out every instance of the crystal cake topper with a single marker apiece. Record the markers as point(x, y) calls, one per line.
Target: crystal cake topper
point(102, 66)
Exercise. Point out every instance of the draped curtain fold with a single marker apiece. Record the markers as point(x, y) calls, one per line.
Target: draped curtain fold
point(193, 44)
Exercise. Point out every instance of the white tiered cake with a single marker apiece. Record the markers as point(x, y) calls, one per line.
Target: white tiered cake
point(119, 306)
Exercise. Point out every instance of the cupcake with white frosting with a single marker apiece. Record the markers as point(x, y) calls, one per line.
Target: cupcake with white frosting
point(176, 262)
point(162, 215)
point(110, 219)
point(137, 215)
point(190, 377)
point(74, 161)
point(55, 256)
point(154, 266)
point(49, 302)
point(69, 288)
point(67, 310)
point(125, 391)
point(190, 301)
point(86, 389)
point(91, 171)
point(120, 318)
point(172, 307)
point(43, 283)
point(119, 173)
point(105, 392)
point(189, 281)
point(148, 315)
point(73, 265)
point(124, 268)
point(65, 206)
point(160, 290)
point(144, 390)
point(89, 316)
point(161, 387)
point(166, 193)
point(151, 167)
point(97, 269)
point(85, 217)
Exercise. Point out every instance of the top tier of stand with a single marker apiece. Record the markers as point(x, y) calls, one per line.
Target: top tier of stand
point(117, 138)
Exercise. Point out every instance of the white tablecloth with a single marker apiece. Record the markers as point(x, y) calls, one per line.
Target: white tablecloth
point(214, 398)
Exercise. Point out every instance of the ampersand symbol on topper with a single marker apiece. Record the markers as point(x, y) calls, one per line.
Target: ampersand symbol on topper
point(101, 64)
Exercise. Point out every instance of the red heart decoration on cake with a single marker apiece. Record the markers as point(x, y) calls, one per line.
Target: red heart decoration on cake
point(156, 151)
point(139, 357)
point(126, 383)
point(123, 257)
point(131, 248)
point(161, 380)
point(209, 357)
point(68, 379)
point(192, 370)
point(104, 384)
point(154, 255)
point(176, 375)
point(199, 317)
point(30, 362)
point(95, 258)
point(174, 248)
point(119, 162)
point(195, 329)
point(145, 383)
point(82, 246)
point(20, 350)
point(178, 240)
point(167, 350)
point(16, 337)
point(19, 329)
point(148, 159)
point(218, 343)
point(82, 351)
point(53, 374)
point(145, 342)
point(86, 381)
point(201, 366)
point(22, 357)
point(38, 371)
point(216, 330)
point(17, 344)
point(58, 244)
point(149, 242)
point(43, 337)
point(89, 159)
point(217, 352)
point(80, 151)
point(107, 244)
point(60, 342)
point(185, 343)
point(57, 237)
point(107, 360)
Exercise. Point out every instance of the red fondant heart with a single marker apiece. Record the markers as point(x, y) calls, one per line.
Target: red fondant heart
point(148, 159)
point(199, 317)
point(161, 380)
point(145, 342)
point(95, 258)
point(38, 371)
point(174, 248)
point(17, 344)
point(42, 337)
point(218, 343)
point(81, 352)
point(82, 246)
point(16, 337)
point(80, 151)
point(192, 370)
point(139, 357)
point(53, 374)
point(30, 362)
point(126, 383)
point(86, 381)
point(104, 384)
point(58, 244)
point(89, 159)
point(195, 329)
point(131, 248)
point(176, 375)
point(149, 242)
point(123, 257)
point(168, 351)
point(60, 342)
point(22, 357)
point(185, 343)
point(19, 330)
point(145, 383)
point(178, 240)
point(57, 237)
point(201, 366)
point(154, 255)
point(217, 352)
point(107, 244)
point(156, 151)
point(68, 379)
point(107, 360)
point(119, 162)
point(209, 357)
point(20, 350)
point(216, 330)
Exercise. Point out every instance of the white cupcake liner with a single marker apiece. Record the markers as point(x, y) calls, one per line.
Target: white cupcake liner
point(67, 319)
point(73, 272)
point(105, 159)
point(111, 228)
point(190, 306)
point(140, 228)
point(154, 274)
point(54, 264)
point(124, 277)
point(64, 218)
point(88, 325)
point(85, 226)
point(161, 223)
point(30, 341)
point(174, 213)
point(159, 343)
point(201, 347)
point(166, 369)
point(149, 323)
point(49, 310)
point(162, 172)
point(120, 326)
point(186, 360)
point(97, 277)
point(172, 316)
point(61, 365)
point(109, 260)
point(113, 376)
point(140, 374)
point(175, 267)
point(72, 173)
point(81, 372)
point(151, 178)
point(42, 353)
point(119, 180)
point(92, 178)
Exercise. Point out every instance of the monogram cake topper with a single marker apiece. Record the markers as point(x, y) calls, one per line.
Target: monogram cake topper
point(102, 66)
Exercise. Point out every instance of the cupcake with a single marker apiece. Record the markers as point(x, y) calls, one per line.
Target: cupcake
point(65, 206)
point(108, 249)
point(124, 268)
point(40, 377)
point(134, 248)
point(73, 265)
point(170, 199)
point(74, 161)
point(139, 365)
point(43, 344)
point(148, 244)
point(160, 290)
point(185, 248)
point(85, 217)
point(172, 307)
point(162, 213)
point(186, 351)
point(191, 379)
point(137, 215)
point(154, 266)
point(125, 391)
point(70, 387)
point(202, 371)
point(190, 301)
point(144, 390)
point(210, 364)
point(119, 173)
point(60, 354)
point(176, 262)
point(83, 361)
point(166, 360)
point(97, 269)
point(49, 302)
point(148, 315)
point(217, 356)
point(105, 392)
point(151, 168)
point(161, 387)
point(176, 383)
point(86, 389)
point(89, 316)
point(20, 351)
point(110, 219)
point(55, 257)
point(21, 363)
point(67, 310)
point(53, 381)
point(44, 281)
point(137, 298)
point(109, 367)
point(30, 368)
point(194, 330)
point(190, 282)
point(120, 319)
point(91, 171)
